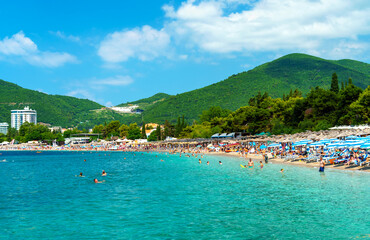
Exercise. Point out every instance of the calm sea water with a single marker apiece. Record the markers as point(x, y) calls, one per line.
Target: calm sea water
point(177, 198)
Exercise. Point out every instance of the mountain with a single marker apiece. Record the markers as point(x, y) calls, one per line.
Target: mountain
point(277, 77)
point(56, 110)
point(147, 102)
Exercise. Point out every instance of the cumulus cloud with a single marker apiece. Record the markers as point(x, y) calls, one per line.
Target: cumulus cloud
point(114, 81)
point(144, 43)
point(18, 44)
point(269, 25)
point(21, 46)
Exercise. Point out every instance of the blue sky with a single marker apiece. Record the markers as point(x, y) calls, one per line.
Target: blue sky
point(118, 51)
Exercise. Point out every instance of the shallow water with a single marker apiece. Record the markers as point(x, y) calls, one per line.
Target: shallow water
point(178, 198)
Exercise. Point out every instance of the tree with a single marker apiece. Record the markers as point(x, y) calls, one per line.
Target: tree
point(133, 131)
point(159, 132)
point(153, 136)
point(334, 87)
point(212, 112)
point(349, 81)
point(123, 130)
point(98, 129)
point(169, 129)
point(112, 129)
point(143, 133)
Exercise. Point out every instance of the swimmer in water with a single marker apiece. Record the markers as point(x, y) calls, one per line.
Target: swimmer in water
point(207, 162)
point(104, 173)
point(96, 181)
point(84, 160)
point(261, 164)
point(219, 162)
point(200, 161)
point(250, 163)
point(282, 170)
point(81, 175)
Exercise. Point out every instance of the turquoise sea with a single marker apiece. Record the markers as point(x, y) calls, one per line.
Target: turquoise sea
point(143, 197)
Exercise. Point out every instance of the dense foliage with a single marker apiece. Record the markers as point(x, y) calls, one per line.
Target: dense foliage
point(55, 109)
point(31, 132)
point(320, 110)
point(147, 102)
point(293, 71)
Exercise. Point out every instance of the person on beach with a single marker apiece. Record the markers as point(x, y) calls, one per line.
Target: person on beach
point(104, 173)
point(261, 164)
point(322, 165)
point(250, 163)
point(266, 158)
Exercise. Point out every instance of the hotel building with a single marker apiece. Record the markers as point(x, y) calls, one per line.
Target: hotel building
point(21, 116)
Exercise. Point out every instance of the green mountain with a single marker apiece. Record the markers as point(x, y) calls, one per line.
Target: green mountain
point(278, 77)
point(56, 110)
point(145, 103)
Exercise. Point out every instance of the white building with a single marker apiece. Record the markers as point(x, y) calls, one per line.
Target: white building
point(21, 116)
point(4, 128)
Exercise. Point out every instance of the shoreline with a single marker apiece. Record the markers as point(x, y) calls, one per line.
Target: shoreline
point(254, 157)
point(258, 157)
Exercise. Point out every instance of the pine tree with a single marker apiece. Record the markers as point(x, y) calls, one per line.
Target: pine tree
point(159, 134)
point(342, 86)
point(349, 81)
point(334, 83)
point(143, 132)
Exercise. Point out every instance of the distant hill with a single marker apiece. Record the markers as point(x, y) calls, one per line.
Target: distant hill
point(277, 78)
point(54, 109)
point(147, 102)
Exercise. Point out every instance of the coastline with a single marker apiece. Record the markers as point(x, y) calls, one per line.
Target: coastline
point(258, 157)
point(254, 157)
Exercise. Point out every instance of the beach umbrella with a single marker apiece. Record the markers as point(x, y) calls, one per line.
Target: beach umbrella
point(262, 147)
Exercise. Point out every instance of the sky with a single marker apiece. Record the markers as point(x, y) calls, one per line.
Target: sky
point(114, 52)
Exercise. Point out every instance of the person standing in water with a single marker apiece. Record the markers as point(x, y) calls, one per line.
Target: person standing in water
point(250, 163)
point(261, 164)
point(322, 165)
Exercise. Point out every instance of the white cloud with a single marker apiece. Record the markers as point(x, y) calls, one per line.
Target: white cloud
point(21, 46)
point(50, 59)
point(62, 35)
point(269, 25)
point(145, 44)
point(115, 81)
point(18, 44)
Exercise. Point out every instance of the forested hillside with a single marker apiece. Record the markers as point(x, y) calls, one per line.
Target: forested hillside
point(54, 109)
point(147, 102)
point(293, 71)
